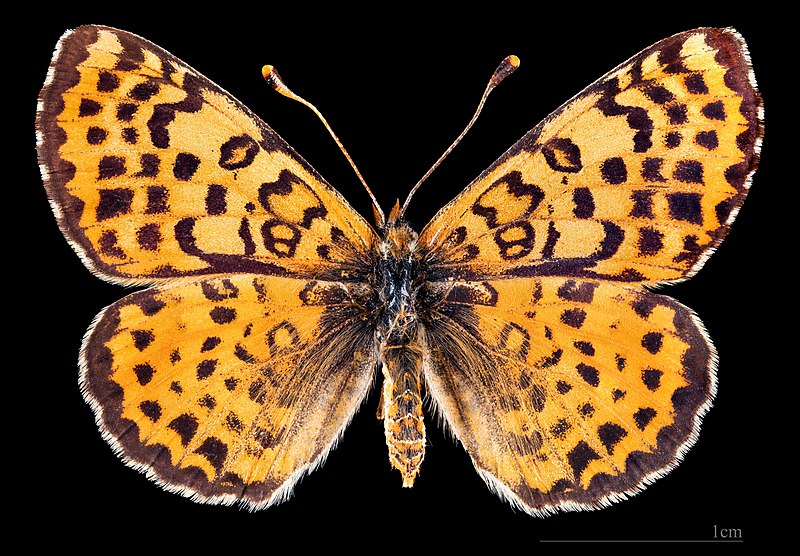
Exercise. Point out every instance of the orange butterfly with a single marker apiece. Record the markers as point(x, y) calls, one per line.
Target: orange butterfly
point(521, 309)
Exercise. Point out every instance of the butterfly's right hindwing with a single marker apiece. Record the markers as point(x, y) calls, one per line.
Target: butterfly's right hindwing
point(568, 394)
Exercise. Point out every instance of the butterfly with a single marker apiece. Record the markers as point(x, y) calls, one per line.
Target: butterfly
point(522, 313)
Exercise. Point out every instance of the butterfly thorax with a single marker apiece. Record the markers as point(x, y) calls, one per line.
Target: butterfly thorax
point(398, 281)
point(399, 278)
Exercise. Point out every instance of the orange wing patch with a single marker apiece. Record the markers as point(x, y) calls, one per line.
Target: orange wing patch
point(568, 393)
point(230, 388)
point(142, 199)
point(635, 179)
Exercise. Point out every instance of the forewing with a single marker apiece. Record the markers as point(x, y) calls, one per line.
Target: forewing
point(635, 179)
point(229, 388)
point(154, 172)
point(567, 394)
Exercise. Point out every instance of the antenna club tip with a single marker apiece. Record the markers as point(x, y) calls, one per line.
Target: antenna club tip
point(272, 77)
point(506, 68)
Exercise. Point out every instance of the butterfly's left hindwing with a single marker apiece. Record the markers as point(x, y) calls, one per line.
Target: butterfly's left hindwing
point(228, 389)
point(155, 172)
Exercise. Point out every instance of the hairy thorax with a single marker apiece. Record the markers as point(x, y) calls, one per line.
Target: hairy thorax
point(398, 281)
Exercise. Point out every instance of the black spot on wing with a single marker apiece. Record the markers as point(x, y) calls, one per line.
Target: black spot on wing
point(695, 84)
point(714, 110)
point(678, 114)
point(582, 292)
point(650, 242)
point(584, 202)
point(96, 135)
point(652, 379)
point(672, 139)
point(186, 426)
point(642, 203)
point(185, 166)
point(142, 338)
point(222, 315)
point(206, 368)
point(142, 92)
point(643, 416)
point(150, 164)
point(614, 171)
point(126, 111)
point(157, 200)
point(151, 409)
point(651, 170)
point(580, 457)
point(111, 167)
point(610, 434)
point(214, 450)
point(652, 341)
point(210, 343)
point(144, 373)
point(707, 139)
point(689, 171)
point(88, 107)
point(149, 237)
point(686, 207)
point(216, 199)
point(589, 374)
point(113, 202)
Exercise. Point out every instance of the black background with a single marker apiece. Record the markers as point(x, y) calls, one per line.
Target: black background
point(397, 83)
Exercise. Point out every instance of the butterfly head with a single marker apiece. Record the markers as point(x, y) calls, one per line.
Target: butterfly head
point(399, 240)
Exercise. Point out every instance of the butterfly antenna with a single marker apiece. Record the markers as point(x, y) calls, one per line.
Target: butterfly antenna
point(506, 68)
point(274, 80)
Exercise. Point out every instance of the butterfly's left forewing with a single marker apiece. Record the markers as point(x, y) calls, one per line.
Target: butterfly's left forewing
point(155, 172)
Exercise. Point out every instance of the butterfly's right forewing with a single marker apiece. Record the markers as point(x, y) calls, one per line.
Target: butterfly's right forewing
point(636, 179)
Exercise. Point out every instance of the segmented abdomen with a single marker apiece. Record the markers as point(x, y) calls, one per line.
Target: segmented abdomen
point(402, 410)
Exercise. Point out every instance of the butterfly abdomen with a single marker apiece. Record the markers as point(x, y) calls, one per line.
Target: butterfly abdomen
point(402, 410)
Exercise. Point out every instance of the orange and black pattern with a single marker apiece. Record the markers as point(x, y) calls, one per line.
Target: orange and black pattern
point(521, 311)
